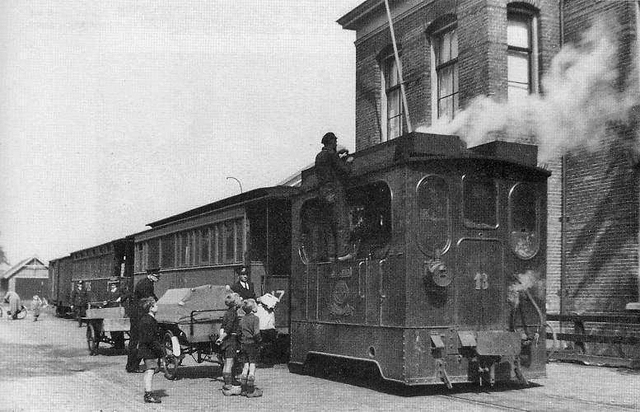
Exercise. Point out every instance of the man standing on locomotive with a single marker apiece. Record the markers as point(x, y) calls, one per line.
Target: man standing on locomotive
point(332, 169)
point(143, 289)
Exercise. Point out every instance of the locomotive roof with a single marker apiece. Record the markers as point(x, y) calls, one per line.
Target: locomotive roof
point(420, 147)
point(255, 195)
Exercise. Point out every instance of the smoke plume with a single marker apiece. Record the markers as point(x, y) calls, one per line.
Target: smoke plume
point(527, 281)
point(580, 100)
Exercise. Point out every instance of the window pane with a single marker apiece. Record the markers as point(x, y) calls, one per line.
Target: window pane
point(205, 244)
point(445, 107)
point(239, 240)
point(230, 243)
point(455, 79)
point(445, 49)
point(518, 67)
point(219, 243)
point(518, 32)
point(433, 204)
point(454, 44)
point(517, 92)
point(395, 128)
point(154, 253)
point(480, 201)
point(445, 82)
point(168, 251)
point(523, 226)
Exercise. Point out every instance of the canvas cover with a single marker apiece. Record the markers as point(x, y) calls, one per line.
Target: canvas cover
point(176, 305)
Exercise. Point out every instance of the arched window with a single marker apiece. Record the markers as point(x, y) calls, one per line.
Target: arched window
point(433, 207)
point(524, 222)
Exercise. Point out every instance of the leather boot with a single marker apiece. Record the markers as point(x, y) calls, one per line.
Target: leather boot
point(149, 398)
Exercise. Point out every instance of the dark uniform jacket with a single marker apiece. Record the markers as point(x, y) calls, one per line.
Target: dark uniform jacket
point(330, 169)
point(149, 346)
point(80, 298)
point(243, 292)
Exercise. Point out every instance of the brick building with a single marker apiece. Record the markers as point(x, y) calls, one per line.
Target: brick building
point(453, 51)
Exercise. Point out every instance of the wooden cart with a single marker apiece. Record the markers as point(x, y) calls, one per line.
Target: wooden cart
point(190, 320)
point(108, 325)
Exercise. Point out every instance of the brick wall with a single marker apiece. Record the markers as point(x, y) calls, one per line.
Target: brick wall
point(602, 197)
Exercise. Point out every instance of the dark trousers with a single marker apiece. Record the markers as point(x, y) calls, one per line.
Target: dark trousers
point(133, 358)
point(336, 220)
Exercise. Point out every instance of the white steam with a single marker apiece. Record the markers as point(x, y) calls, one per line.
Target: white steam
point(579, 101)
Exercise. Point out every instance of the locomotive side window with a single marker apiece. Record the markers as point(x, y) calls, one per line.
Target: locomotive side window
point(524, 224)
point(480, 197)
point(370, 216)
point(433, 208)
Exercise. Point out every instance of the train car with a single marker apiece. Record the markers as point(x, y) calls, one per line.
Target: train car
point(60, 275)
point(447, 283)
point(98, 265)
point(205, 245)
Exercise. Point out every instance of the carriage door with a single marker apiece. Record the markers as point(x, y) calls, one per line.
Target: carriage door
point(480, 280)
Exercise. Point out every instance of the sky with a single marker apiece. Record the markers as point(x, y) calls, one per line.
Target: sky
point(120, 113)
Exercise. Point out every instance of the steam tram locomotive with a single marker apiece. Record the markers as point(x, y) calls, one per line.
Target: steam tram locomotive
point(447, 283)
point(448, 279)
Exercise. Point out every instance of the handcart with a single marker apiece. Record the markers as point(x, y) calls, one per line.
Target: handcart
point(108, 325)
point(190, 320)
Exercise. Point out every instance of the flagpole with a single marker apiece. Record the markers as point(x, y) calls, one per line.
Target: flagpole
point(399, 65)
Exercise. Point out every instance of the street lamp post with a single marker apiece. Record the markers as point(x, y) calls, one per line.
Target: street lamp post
point(239, 184)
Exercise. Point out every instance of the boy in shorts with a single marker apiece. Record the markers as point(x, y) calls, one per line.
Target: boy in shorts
point(228, 341)
point(249, 348)
point(149, 346)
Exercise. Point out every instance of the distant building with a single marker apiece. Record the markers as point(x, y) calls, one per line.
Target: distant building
point(27, 278)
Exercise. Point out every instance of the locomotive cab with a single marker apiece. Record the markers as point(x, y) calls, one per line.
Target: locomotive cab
point(447, 283)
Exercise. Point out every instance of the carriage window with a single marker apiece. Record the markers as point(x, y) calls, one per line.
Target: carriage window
point(168, 251)
point(154, 253)
point(205, 244)
point(434, 205)
point(524, 209)
point(480, 202)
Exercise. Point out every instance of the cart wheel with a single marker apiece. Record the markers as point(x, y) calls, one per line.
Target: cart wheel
point(22, 313)
point(170, 362)
point(93, 340)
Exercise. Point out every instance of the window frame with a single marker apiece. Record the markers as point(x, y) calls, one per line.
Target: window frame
point(529, 16)
point(387, 62)
point(449, 221)
point(466, 179)
point(538, 220)
point(437, 67)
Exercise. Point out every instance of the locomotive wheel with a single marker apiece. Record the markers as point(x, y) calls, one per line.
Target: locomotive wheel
point(170, 362)
point(93, 340)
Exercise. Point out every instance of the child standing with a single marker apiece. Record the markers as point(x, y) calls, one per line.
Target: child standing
point(228, 341)
point(36, 304)
point(249, 348)
point(149, 346)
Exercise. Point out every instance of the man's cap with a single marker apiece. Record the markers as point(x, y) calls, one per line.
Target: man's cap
point(242, 270)
point(328, 137)
point(153, 271)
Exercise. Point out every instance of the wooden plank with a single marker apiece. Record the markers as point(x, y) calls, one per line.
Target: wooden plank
point(603, 338)
point(105, 313)
point(116, 325)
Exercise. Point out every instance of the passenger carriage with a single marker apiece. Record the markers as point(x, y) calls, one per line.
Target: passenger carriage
point(206, 244)
point(448, 281)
